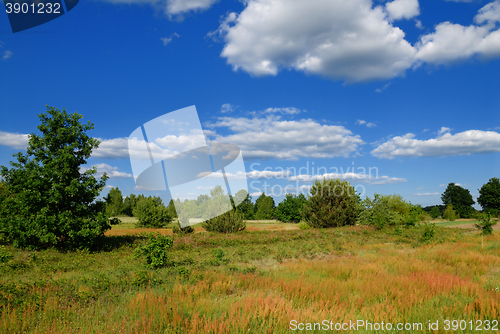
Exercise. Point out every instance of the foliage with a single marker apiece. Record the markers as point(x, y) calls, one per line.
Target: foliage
point(151, 212)
point(389, 210)
point(156, 250)
point(304, 226)
point(290, 210)
point(51, 201)
point(129, 204)
point(229, 222)
point(449, 213)
point(171, 209)
point(415, 215)
point(114, 202)
point(489, 196)
point(435, 212)
point(331, 203)
point(264, 207)
point(80, 292)
point(486, 224)
point(5, 255)
point(218, 254)
point(428, 233)
point(182, 230)
point(245, 206)
point(460, 198)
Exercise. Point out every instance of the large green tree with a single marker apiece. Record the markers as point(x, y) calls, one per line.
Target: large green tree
point(331, 203)
point(290, 209)
point(264, 207)
point(489, 196)
point(114, 202)
point(51, 201)
point(245, 205)
point(460, 198)
point(151, 212)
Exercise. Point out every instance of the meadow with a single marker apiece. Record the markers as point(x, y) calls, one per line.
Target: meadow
point(257, 281)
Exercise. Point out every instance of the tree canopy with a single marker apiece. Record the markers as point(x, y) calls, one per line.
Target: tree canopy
point(290, 209)
point(264, 207)
point(489, 196)
point(460, 198)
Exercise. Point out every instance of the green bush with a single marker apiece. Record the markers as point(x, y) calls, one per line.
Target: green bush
point(331, 203)
point(486, 224)
point(182, 230)
point(435, 212)
point(229, 222)
point(389, 210)
point(151, 212)
point(156, 250)
point(304, 226)
point(290, 210)
point(428, 233)
point(449, 213)
point(5, 255)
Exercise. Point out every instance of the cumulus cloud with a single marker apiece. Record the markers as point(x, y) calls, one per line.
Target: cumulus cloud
point(171, 7)
point(346, 40)
point(446, 144)
point(118, 148)
point(426, 194)
point(175, 7)
point(272, 137)
point(255, 174)
point(289, 111)
point(454, 42)
point(351, 177)
point(112, 172)
point(14, 140)
point(402, 9)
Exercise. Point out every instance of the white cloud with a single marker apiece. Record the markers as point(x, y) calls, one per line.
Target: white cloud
point(351, 177)
point(402, 9)
point(368, 124)
point(112, 172)
point(7, 55)
point(289, 111)
point(118, 148)
point(226, 107)
point(255, 174)
point(443, 129)
point(454, 42)
point(384, 87)
point(426, 194)
point(463, 143)
point(272, 137)
point(171, 7)
point(14, 140)
point(175, 7)
point(346, 40)
point(166, 40)
point(418, 24)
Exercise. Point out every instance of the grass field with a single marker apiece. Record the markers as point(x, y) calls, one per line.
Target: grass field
point(266, 278)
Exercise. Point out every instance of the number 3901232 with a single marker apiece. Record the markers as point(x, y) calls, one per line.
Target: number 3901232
point(485, 325)
point(33, 8)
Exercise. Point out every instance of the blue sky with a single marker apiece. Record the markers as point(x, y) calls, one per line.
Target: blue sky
point(407, 88)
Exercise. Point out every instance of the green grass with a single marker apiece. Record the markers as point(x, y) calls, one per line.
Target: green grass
point(456, 223)
point(251, 281)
